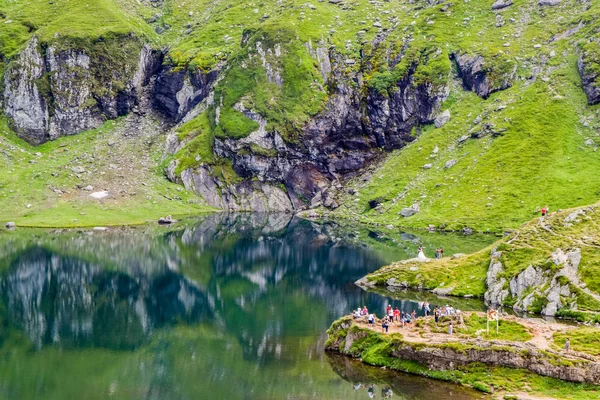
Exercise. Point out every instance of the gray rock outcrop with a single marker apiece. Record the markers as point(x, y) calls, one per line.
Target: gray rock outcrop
point(346, 136)
point(500, 4)
point(63, 89)
point(442, 119)
point(474, 71)
point(589, 79)
point(536, 285)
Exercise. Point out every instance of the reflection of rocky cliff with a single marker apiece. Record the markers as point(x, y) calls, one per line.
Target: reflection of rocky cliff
point(74, 303)
point(259, 276)
point(272, 274)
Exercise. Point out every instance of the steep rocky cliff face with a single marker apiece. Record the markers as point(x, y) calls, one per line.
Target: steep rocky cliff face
point(589, 71)
point(65, 88)
point(300, 166)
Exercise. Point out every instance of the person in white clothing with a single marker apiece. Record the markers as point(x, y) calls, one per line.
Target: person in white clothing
point(421, 255)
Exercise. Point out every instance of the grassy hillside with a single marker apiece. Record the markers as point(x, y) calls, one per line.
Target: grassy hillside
point(541, 158)
point(536, 142)
point(522, 148)
point(50, 185)
point(535, 245)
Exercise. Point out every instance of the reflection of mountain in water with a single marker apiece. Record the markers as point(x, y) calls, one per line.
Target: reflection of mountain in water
point(273, 276)
point(261, 277)
point(74, 303)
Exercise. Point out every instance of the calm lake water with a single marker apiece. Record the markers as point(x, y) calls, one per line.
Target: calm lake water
point(223, 307)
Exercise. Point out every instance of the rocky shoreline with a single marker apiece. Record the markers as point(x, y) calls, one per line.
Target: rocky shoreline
point(442, 352)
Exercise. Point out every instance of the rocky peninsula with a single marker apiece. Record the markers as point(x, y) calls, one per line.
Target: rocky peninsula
point(526, 347)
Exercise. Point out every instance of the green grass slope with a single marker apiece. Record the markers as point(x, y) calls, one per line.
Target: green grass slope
point(50, 185)
point(532, 245)
point(545, 156)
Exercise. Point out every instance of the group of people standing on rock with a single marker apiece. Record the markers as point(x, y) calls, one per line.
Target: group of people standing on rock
point(400, 318)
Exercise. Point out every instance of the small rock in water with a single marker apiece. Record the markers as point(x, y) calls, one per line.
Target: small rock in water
point(11, 225)
point(100, 229)
point(88, 188)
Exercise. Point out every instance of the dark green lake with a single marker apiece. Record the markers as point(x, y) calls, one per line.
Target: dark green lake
point(223, 307)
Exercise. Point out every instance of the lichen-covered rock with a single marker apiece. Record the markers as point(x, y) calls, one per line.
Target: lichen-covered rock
point(535, 285)
point(246, 196)
point(590, 78)
point(483, 76)
point(496, 284)
point(24, 102)
point(64, 88)
point(178, 91)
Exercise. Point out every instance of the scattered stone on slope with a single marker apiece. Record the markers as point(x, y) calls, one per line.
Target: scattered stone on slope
point(549, 2)
point(409, 211)
point(442, 119)
point(450, 164)
point(99, 195)
point(500, 4)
